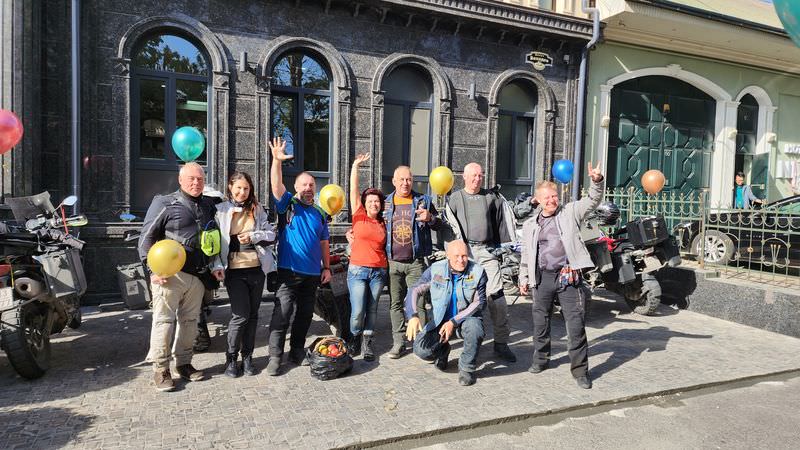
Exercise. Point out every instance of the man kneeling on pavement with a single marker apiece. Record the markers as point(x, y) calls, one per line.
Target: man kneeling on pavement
point(457, 288)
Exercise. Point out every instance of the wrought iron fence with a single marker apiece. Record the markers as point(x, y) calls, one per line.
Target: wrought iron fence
point(761, 245)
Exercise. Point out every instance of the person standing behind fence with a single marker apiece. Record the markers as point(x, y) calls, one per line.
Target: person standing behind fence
point(303, 242)
point(743, 197)
point(367, 271)
point(476, 216)
point(246, 259)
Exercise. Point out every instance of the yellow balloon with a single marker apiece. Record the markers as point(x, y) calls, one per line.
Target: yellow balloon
point(441, 180)
point(331, 198)
point(166, 258)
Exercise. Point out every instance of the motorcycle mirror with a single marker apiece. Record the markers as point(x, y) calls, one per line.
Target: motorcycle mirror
point(70, 201)
point(127, 217)
point(77, 221)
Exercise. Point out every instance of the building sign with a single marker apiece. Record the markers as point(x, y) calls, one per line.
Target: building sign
point(539, 60)
point(792, 149)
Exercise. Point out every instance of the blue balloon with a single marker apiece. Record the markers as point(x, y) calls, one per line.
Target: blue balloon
point(188, 143)
point(789, 13)
point(562, 171)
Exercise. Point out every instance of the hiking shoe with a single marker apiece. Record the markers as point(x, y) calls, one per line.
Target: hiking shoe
point(441, 361)
point(274, 366)
point(231, 368)
point(397, 351)
point(354, 346)
point(189, 373)
point(584, 382)
point(537, 368)
point(298, 356)
point(163, 380)
point(369, 352)
point(504, 352)
point(466, 378)
point(248, 367)
point(203, 339)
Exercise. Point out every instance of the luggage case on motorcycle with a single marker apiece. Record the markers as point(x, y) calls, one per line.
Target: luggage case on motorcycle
point(647, 231)
point(133, 285)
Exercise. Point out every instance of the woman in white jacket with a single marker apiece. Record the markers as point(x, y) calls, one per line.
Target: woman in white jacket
point(247, 259)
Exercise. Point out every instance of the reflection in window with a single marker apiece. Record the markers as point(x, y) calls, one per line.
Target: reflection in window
point(169, 80)
point(516, 132)
point(407, 125)
point(301, 113)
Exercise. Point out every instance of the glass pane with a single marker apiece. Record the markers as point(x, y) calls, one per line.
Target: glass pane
point(522, 163)
point(510, 191)
point(407, 83)
point(419, 186)
point(316, 130)
point(392, 139)
point(283, 123)
point(148, 183)
point(151, 118)
point(504, 150)
point(518, 96)
point(420, 141)
point(171, 54)
point(191, 108)
point(297, 69)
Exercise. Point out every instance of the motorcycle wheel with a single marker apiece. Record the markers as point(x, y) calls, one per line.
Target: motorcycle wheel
point(645, 297)
point(27, 342)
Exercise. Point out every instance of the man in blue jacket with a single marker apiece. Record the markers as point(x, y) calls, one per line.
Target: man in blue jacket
point(457, 288)
point(409, 217)
point(743, 197)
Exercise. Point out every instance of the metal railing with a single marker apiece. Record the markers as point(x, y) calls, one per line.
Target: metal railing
point(760, 245)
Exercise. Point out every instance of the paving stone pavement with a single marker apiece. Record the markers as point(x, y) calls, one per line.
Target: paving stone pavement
point(99, 393)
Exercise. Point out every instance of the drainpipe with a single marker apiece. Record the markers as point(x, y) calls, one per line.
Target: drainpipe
point(76, 102)
point(579, 132)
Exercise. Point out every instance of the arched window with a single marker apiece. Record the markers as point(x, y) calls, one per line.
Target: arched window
point(301, 114)
point(754, 165)
point(170, 78)
point(516, 137)
point(407, 125)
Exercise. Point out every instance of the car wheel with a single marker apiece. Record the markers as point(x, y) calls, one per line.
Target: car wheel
point(718, 247)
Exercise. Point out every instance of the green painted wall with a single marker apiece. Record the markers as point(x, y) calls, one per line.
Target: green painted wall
point(610, 60)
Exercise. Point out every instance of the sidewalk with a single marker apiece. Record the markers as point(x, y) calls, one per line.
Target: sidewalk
point(99, 394)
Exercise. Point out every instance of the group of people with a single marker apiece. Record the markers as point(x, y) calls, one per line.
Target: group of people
point(391, 241)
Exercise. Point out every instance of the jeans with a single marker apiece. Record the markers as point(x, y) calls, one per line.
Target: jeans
point(572, 308)
point(365, 285)
point(295, 291)
point(401, 277)
point(428, 347)
point(176, 307)
point(244, 289)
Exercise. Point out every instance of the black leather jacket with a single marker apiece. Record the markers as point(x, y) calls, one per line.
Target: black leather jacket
point(180, 217)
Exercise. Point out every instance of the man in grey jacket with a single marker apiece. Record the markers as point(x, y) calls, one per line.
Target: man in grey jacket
point(553, 254)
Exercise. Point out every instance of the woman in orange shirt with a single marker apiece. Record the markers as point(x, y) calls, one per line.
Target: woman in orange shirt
point(367, 272)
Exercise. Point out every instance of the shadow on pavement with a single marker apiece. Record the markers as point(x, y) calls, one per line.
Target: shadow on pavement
point(41, 428)
point(627, 345)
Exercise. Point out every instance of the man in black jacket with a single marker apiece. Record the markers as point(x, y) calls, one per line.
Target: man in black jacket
point(177, 299)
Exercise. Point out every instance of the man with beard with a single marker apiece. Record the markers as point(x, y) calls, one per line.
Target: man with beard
point(303, 241)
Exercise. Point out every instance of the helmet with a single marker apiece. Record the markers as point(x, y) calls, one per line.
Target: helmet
point(607, 213)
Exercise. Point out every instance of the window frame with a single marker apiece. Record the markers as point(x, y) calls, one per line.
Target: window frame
point(296, 165)
point(170, 161)
point(529, 117)
point(405, 158)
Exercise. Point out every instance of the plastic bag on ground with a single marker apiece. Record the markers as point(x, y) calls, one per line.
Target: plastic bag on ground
point(329, 364)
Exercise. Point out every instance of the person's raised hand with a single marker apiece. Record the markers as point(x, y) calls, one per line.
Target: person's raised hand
point(595, 173)
point(412, 328)
point(364, 157)
point(278, 149)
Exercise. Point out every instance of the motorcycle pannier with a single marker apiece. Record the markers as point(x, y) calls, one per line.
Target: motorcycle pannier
point(134, 285)
point(647, 231)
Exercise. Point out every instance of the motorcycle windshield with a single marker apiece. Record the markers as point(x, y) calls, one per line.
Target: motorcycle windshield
point(30, 207)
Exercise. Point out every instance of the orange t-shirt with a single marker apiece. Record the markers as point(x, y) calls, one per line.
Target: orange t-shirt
point(369, 243)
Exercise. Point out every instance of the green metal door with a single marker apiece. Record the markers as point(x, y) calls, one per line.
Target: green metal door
point(660, 123)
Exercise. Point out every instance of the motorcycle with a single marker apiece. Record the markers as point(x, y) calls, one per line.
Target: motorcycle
point(627, 260)
point(41, 280)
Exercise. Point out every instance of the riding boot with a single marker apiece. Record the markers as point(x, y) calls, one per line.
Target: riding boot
point(369, 352)
point(231, 367)
point(354, 345)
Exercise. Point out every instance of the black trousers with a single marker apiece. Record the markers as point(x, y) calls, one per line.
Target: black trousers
point(572, 300)
point(295, 292)
point(245, 287)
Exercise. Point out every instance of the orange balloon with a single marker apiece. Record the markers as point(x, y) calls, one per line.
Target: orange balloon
point(653, 181)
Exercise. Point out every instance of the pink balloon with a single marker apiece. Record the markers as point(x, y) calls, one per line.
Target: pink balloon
point(10, 130)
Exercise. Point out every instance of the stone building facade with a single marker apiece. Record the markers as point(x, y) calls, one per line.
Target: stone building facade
point(426, 83)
